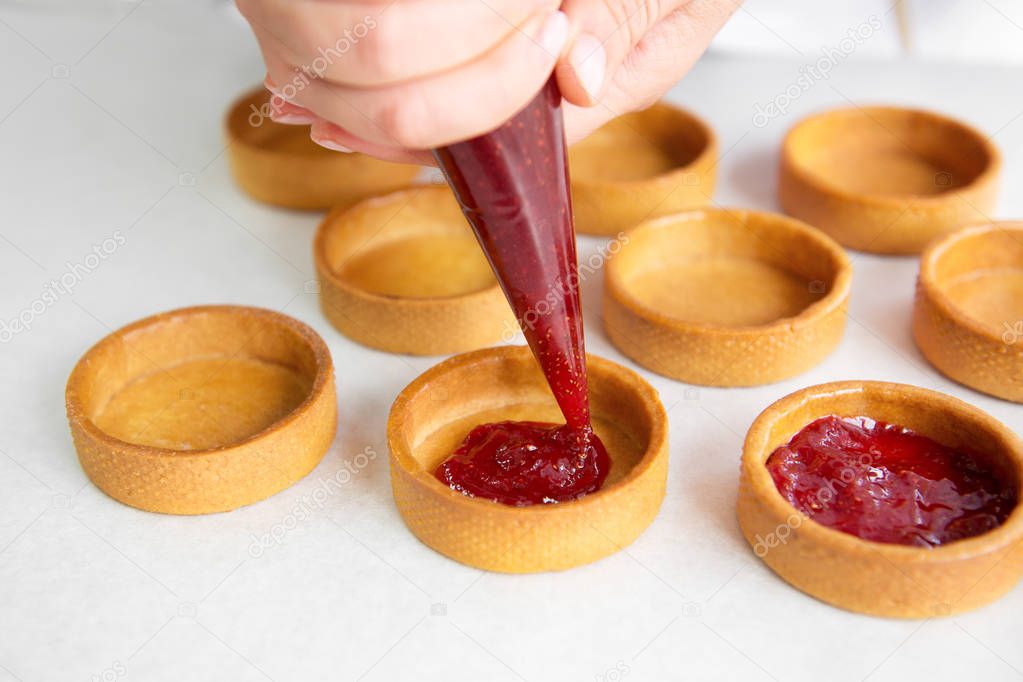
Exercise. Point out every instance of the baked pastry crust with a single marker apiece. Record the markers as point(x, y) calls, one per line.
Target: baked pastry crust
point(642, 165)
point(722, 297)
point(159, 471)
point(968, 314)
point(278, 164)
point(471, 315)
point(871, 577)
point(435, 412)
point(886, 179)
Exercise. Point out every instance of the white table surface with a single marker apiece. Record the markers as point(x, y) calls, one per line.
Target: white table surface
point(110, 124)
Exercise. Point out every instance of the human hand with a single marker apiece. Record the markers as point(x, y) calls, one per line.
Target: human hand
point(393, 78)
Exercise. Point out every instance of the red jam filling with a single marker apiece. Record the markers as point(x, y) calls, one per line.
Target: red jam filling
point(513, 187)
point(524, 463)
point(885, 483)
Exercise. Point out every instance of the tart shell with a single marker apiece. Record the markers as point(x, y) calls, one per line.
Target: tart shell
point(885, 179)
point(436, 411)
point(416, 325)
point(968, 315)
point(279, 164)
point(726, 297)
point(140, 372)
point(607, 200)
point(871, 577)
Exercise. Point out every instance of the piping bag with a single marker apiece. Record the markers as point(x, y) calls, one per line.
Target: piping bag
point(513, 186)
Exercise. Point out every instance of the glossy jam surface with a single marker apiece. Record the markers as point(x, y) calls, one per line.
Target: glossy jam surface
point(885, 483)
point(512, 185)
point(526, 463)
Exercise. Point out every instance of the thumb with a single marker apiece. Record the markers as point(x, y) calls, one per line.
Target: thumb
point(608, 32)
point(604, 31)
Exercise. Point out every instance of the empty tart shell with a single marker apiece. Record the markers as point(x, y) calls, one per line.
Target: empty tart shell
point(642, 165)
point(279, 164)
point(725, 297)
point(885, 179)
point(404, 273)
point(202, 409)
point(968, 316)
point(872, 577)
point(435, 412)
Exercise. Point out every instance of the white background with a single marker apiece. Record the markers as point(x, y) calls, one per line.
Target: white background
point(111, 122)
point(963, 30)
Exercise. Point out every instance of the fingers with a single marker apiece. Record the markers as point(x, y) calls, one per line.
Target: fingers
point(282, 111)
point(439, 109)
point(671, 48)
point(374, 43)
point(628, 54)
point(582, 71)
point(604, 31)
point(326, 134)
point(581, 121)
point(607, 32)
point(406, 76)
point(661, 56)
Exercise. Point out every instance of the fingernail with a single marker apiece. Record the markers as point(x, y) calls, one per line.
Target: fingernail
point(292, 119)
point(589, 61)
point(554, 33)
point(291, 114)
point(331, 144)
